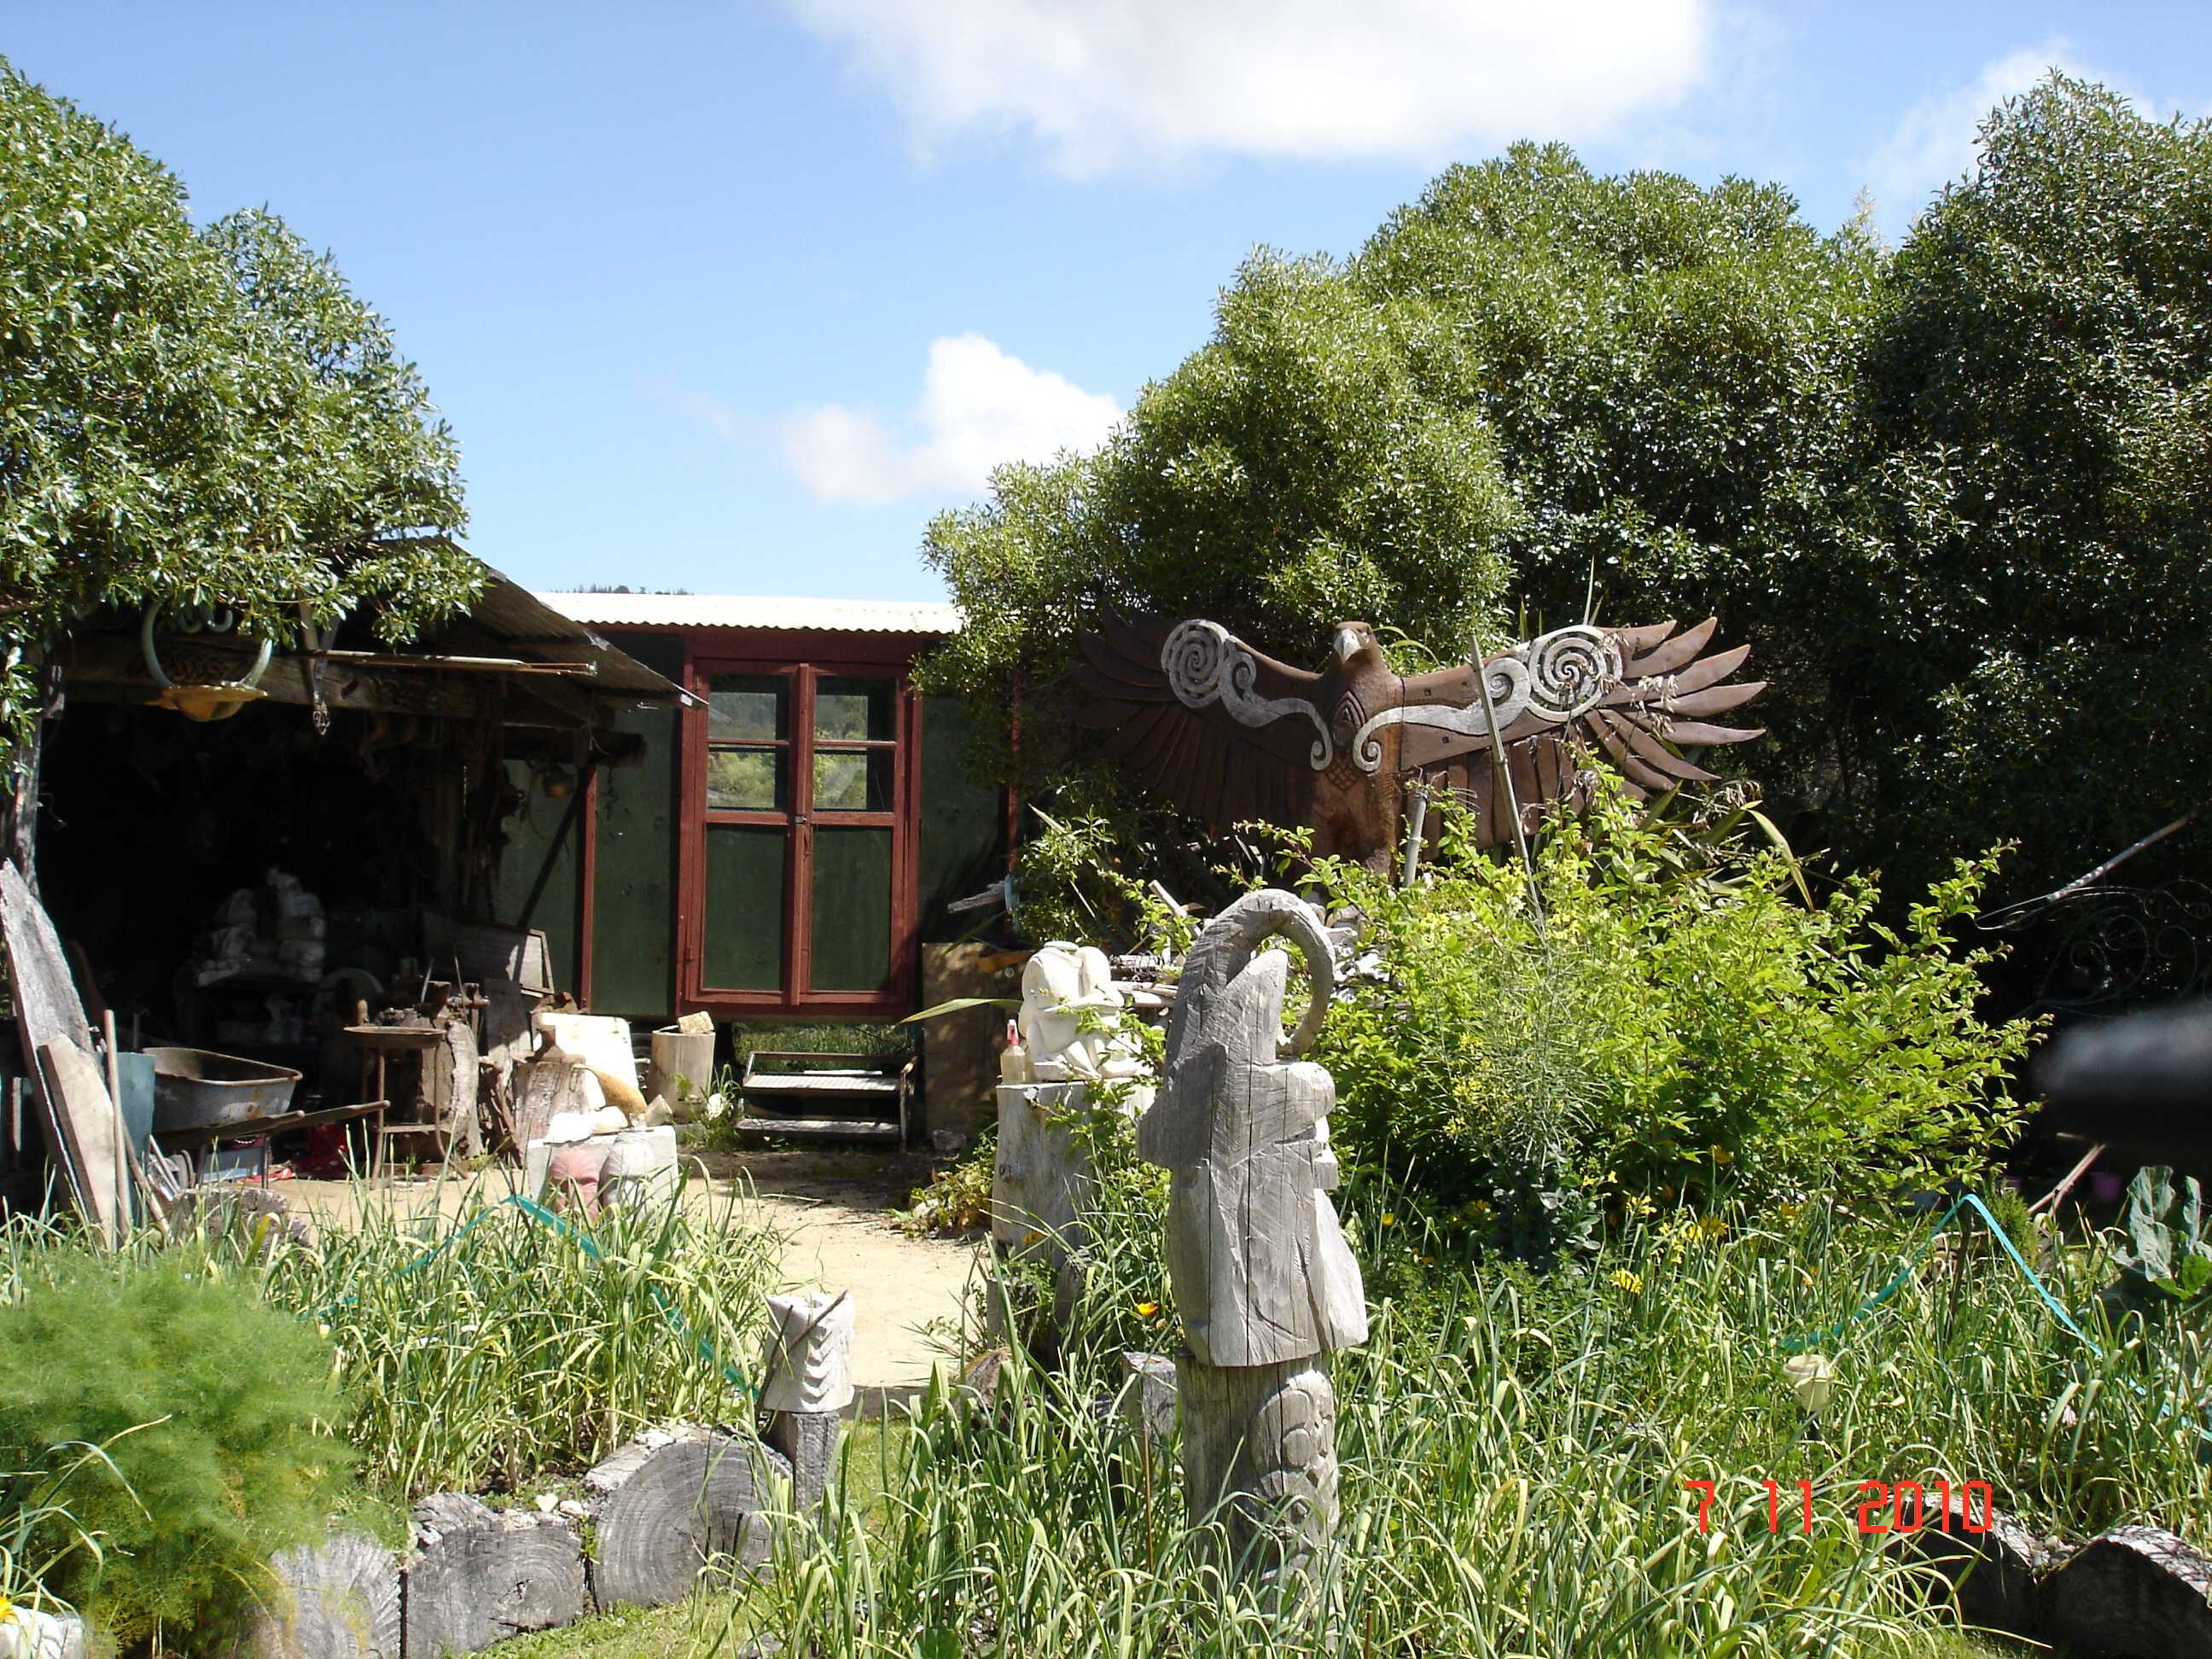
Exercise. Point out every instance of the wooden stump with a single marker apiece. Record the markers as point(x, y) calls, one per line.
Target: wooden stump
point(1990, 1574)
point(1259, 1454)
point(674, 1502)
point(335, 1599)
point(483, 1575)
point(2134, 1593)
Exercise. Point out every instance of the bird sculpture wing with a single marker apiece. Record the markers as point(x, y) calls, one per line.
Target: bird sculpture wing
point(1223, 731)
point(1635, 694)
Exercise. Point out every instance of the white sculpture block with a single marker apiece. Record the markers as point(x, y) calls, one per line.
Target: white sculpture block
point(808, 1363)
point(1060, 984)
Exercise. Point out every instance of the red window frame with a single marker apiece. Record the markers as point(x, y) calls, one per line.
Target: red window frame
point(806, 662)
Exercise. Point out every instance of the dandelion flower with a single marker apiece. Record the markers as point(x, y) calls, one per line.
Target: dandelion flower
point(7, 1610)
point(1389, 1219)
point(1147, 1309)
point(1630, 1282)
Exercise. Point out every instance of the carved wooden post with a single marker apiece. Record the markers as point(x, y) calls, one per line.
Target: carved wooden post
point(806, 1383)
point(1262, 1276)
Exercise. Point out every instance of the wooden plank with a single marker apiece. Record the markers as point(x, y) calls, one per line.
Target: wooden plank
point(47, 1008)
point(804, 1083)
point(89, 1128)
point(815, 1128)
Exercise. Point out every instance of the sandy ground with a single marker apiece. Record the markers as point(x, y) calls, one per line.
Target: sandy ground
point(832, 1209)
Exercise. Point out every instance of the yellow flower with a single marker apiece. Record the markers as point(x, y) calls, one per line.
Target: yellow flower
point(1711, 1226)
point(1632, 1282)
point(1147, 1309)
point(1722, 1155)
point(7, 1610)
point(1389, 1219)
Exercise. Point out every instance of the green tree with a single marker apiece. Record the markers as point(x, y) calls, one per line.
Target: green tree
point(1532, 385)
point(2037, 501)
point(190, 418)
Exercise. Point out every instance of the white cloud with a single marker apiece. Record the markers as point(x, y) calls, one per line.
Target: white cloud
point(1934, 144)
point(1102, 84)
point(980, 406)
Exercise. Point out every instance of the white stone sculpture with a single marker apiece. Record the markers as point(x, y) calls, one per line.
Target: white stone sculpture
point(1262, 1277)
point(807, 1365)
point(1060, 985)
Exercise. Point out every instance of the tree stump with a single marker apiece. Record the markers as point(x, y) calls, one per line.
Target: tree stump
point(2133, 1593)
point(335, 1599)
point(483, 1575)
point(672, 1503)
point(1990, 1574)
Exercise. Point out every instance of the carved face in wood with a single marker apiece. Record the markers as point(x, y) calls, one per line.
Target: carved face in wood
point(1261, 1270)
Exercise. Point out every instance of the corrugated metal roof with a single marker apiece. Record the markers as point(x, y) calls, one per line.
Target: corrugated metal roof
point(533, 629)
point(738, 610)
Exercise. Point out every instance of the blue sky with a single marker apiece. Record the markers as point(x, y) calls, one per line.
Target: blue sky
point(733, 297)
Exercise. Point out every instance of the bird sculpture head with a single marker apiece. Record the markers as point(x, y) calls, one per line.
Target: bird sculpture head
point(1351, 639)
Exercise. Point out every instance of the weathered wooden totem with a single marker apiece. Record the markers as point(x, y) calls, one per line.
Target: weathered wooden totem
point(1262, 1276)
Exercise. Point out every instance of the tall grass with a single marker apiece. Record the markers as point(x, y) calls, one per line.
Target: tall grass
point(515, 1351)
point(1515, 1452)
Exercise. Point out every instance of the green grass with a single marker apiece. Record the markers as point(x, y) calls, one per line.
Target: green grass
point(515, 1355)
point(1515, 1452)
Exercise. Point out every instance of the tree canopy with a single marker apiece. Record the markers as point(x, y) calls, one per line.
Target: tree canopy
point(1950, 493)
point(195, 416)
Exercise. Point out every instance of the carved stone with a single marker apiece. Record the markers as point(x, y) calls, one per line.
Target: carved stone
point(1263, 1279)
point(1061, 984)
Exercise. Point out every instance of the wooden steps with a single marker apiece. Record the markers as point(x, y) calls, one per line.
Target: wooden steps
point(827, 1096)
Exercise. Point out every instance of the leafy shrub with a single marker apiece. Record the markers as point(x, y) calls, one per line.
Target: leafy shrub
point(1651, 1016)
point(216, 1414)
point(2166, 1253)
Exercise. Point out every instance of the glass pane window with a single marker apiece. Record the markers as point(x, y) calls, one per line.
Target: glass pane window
point(744, 931)
point(853, 781)
point(745, 780)
point(746, 707)
point(852, 710)
point(851, 925)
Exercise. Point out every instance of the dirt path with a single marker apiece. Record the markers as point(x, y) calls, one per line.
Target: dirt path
point(832, 1209)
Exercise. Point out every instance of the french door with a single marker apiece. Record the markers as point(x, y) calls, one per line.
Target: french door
point(799, 837)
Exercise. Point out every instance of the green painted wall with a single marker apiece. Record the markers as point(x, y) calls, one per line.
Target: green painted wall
point(964, 823)
point(541, 828)
point(633, 913)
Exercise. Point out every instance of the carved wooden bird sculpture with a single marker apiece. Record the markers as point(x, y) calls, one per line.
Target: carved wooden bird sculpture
point(1228, 734)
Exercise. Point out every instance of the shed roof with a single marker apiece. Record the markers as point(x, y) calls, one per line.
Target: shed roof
point(740, 611)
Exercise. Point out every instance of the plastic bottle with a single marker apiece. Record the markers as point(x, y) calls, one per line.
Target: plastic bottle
point(1013, 1059)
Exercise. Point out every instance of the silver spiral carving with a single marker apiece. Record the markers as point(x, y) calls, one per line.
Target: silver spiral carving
point(1569, 671)
point(1206, 664)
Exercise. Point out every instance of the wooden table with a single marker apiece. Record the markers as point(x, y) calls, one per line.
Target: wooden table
point(383, 1041)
